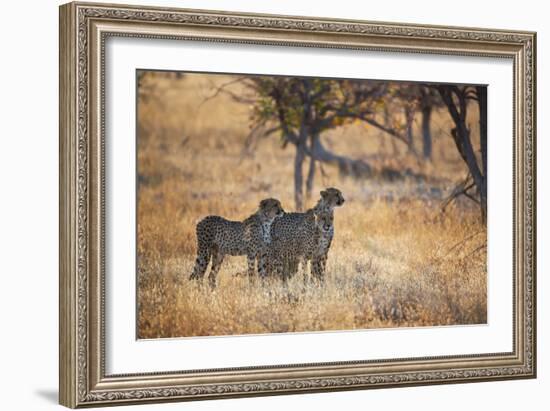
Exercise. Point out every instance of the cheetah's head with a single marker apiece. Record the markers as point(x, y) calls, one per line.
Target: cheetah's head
point(324, 220)
point(332, 197)
point(271, 208)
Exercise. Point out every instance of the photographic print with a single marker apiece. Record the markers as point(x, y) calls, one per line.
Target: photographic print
point(275, 204)
point(273, 186)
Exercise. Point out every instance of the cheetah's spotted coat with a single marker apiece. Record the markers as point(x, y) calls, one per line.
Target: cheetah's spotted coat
point(218, 237)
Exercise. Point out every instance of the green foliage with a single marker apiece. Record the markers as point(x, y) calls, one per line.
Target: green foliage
point(293, 104)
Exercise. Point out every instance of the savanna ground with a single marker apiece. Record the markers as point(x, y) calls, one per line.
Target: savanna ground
point(396, 259)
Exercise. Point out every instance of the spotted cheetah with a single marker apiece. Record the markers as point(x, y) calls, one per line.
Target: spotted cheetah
point(291, 228)
point(309, 242)
point(325, 224)
point(218, 237)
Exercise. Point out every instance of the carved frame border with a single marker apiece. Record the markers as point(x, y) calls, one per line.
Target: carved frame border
point(84, 28)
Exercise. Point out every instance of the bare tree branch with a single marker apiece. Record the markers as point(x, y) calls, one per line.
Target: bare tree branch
point(223, 89)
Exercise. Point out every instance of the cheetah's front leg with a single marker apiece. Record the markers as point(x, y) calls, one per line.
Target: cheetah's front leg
point(318, 269)
point(251, 261)
point(263, 263)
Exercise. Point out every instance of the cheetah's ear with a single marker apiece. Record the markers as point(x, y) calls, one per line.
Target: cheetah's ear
point(264, 203)
point(324, 193)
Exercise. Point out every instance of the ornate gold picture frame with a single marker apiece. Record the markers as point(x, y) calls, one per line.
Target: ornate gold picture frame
point(84, 30)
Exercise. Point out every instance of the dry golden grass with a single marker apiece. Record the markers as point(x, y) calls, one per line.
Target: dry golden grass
point(396, 259)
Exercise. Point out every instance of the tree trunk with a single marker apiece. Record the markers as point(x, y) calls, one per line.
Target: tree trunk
point(409, 119)
point(298, 177)
point(346, 165)
point(305, 131)
point(479, 179)
point(426, 132)
point(461, 136)
point(387, 120)
point(482, 103)
point(311, 171)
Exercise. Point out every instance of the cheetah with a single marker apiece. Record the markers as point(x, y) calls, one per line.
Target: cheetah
point(293, 225)
point(310, 242)
point(325, 227)
point(218, 237)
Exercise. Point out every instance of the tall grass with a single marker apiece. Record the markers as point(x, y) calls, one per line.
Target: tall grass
point(396, 259)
